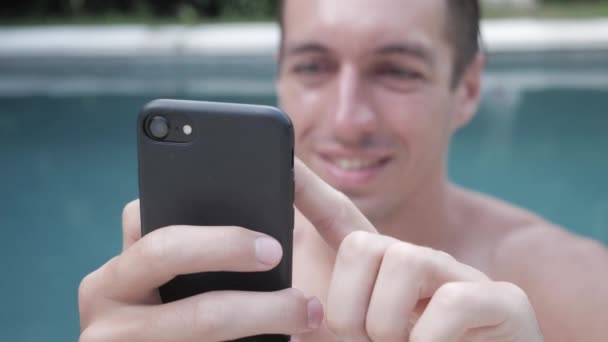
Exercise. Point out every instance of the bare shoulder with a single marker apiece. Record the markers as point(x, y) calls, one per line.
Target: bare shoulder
point(543, 252)
point(564, 275)
point(550, 246)
point(519, 238)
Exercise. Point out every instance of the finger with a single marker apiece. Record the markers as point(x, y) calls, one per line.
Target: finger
point(395, 295)
point(331, 212)
point(214, 316)
point(357, 264)
point(489, 310)
point(165, 253)
point(228, 315)
point(131, 224)
point(408, 275)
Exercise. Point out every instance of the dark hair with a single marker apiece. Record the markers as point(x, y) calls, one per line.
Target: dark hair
point(462, 32)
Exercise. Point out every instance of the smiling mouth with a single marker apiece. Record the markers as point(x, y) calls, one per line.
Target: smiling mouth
point(353, 173)
point(357, 164)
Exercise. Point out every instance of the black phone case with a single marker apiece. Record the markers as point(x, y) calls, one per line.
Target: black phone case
point(237, 171)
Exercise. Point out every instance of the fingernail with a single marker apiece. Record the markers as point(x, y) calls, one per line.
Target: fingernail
point(268, 251)
point(315, 313)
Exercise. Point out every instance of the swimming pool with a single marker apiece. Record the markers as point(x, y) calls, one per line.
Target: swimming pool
point(69, 160)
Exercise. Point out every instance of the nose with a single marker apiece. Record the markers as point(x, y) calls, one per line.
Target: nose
point(353, 121)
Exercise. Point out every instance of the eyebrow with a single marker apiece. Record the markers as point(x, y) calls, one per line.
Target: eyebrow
point(408, 49)
point(306, 48)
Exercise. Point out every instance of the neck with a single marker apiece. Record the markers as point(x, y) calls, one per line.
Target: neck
point(427, 217)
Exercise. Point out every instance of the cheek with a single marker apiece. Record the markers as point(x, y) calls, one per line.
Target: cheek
point(304, 107)
point(416, 119)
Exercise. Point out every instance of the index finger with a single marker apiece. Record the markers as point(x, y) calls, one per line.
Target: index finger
point(332, 213)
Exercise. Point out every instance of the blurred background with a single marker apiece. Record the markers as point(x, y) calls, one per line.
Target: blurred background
point(74, 73)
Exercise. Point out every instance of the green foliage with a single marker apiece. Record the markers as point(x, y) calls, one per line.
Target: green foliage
point(194, 11)
point(575, 1)
point(249, 8)
point(554, 9)
point(182, 10)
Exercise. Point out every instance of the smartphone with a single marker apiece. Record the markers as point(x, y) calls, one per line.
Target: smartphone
point(218, 164)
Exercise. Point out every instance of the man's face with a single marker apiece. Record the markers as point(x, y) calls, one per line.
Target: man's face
point(367, 84)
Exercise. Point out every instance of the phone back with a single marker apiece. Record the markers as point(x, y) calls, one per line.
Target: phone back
point(237, 170)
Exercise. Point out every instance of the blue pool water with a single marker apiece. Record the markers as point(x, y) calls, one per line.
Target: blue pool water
point(68, 158)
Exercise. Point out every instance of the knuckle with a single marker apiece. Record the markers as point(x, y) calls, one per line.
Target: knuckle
point(356, 241)
point(443, 257)
point(156, 246)
point(355, 246)
point(517, 301)
point(516, 292)
point(402, 253)
point(405, 255)
point(452, 296)
point(88, 290)
point(86, 287)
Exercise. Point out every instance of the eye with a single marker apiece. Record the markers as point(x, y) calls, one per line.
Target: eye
point(312, 71)
point(311, 67)
point(398, 72)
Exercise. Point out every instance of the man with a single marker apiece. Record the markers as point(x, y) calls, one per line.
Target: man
point(375, 89)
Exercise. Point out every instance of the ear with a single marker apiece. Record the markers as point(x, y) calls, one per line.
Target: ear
point(468, 93)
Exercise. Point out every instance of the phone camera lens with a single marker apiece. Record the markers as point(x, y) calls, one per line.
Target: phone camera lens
point(158, 127)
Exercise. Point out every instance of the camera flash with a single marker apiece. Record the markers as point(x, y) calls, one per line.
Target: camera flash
point(187, 129)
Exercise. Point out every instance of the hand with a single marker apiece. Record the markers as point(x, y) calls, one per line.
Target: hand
point(120, 301)
point(384, 289)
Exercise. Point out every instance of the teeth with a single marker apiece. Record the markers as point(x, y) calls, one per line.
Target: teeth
point(354, 164)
